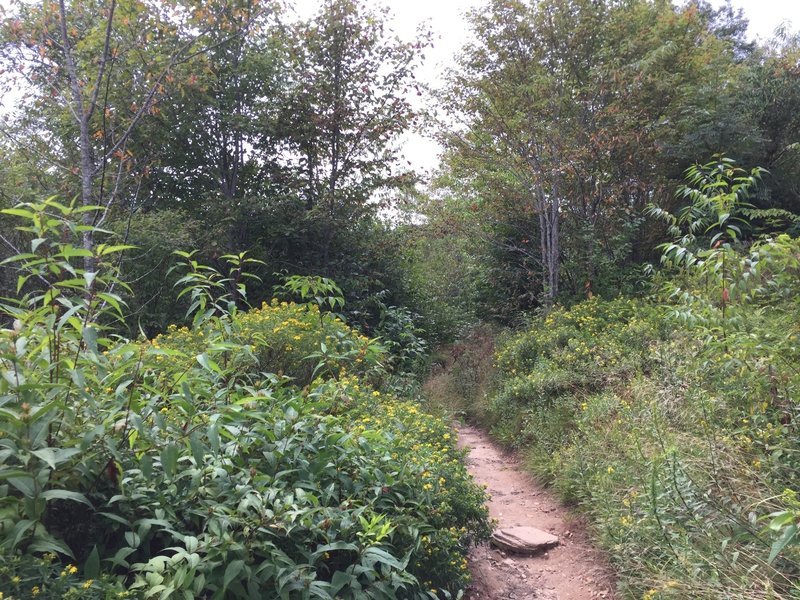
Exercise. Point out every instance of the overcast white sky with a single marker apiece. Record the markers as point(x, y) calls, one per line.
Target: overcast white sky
point(766, 15)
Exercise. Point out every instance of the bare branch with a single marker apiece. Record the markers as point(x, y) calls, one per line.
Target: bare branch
point(103, 61)
point(72, 72)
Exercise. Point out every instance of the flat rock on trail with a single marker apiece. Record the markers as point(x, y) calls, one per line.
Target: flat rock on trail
point(573, 570)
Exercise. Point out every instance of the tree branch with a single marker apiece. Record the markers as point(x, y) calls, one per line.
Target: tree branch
point(103, 61)
point(177, 59)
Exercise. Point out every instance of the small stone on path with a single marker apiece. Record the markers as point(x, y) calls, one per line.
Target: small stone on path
point(524, 540)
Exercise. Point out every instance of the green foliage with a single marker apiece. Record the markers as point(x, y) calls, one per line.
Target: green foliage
point(717, 194)
point(767, 94)
point(676, 435)
point(293, 341)
point(627, 94)
point(621, 92)
point(224, 127)
point(195, 464)
point(400, 333)
point(462, 374)
point(449, 270)
point(211, 293)
point(671, 420)
point(156, 235)
point(322, 291)
point(569, 354)
point(233, 456)
point(346, 107)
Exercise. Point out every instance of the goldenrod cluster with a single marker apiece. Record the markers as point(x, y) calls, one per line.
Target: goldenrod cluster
point(277, 337)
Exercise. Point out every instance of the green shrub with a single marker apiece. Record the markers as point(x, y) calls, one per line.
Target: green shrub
point(462, 373)
point(278, 338)
point(548, 370)
point(227, 460)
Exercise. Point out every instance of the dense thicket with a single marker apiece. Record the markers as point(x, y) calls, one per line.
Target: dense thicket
point(255, 454)
point(671, 421)
point(585, 142)
point(218, 126)
point(233, 127)
point(567, 118)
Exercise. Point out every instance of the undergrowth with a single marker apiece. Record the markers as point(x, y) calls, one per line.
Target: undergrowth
point(254, 454)
point(461, 375)
point(673, 423)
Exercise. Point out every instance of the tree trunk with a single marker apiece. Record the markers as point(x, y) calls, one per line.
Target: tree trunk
point(548, 207)
point(87, 166)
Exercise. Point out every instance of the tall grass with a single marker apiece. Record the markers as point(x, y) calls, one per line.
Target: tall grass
point(672, 423)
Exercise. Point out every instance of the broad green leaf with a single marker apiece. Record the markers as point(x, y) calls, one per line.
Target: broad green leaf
point(232, 572)
point(90, 337)
point(91, 568)
point(18, 212)
point(55, 456)
point(789, 535)
point(24, 483)
point(65, 495)
point(197, 448)
point(208, 364)
point(169, 459)
point(50, 544)
point(103, 250)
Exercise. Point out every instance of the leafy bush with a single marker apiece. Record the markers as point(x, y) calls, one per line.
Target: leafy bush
point(281, 338)
point(248, 456)
point(157, 235)
point(462, 374)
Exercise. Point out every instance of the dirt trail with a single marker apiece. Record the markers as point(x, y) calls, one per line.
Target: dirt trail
point(571, 571)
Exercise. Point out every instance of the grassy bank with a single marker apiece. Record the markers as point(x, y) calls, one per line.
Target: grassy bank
point(671, 422)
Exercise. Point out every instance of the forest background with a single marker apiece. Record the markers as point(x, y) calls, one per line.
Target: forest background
point(246, 133)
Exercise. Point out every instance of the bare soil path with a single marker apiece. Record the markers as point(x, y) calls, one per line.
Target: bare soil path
point(574, 570)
